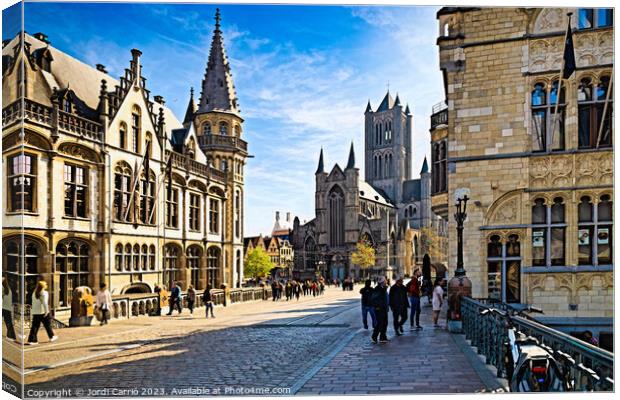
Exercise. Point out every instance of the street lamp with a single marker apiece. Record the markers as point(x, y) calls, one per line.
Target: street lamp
point(460, 215)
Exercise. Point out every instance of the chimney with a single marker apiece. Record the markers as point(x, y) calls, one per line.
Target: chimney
point(135, 65)
point(288, 217)
point(277, 215)
point(159, 99)
point(101, 67)
point(42, 37)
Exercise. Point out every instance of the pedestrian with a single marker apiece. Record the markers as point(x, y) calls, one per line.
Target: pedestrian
point(321, 287)
point(40, 310)
point(437, 301)
point(208, 302)
point(104, 302)
point(297, 290)
point(413, 291)
point(157, 291)
point(589, 337)
point(288, 289)
point(399, 305)
point(274, 290)
point(367, 308)
point(191, 299)
point(313, 289)
point(379, 300)
point(175, 298)
point(7, 310)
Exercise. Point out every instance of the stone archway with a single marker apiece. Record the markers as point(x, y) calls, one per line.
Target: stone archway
point(136, 287)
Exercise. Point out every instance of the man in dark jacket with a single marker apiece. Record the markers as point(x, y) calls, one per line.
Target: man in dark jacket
point(367, 308)
point(413, 290)
point(175, 298)
point(399, 304)
point(379, 301)
point(208, 302)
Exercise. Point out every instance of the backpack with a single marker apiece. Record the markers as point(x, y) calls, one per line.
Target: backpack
point(377, 298)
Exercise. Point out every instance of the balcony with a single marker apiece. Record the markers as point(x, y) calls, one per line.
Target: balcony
point(439, 115)
point(223, 143)
point(193, 166)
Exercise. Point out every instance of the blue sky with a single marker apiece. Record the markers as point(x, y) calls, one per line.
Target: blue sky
point(303, 76)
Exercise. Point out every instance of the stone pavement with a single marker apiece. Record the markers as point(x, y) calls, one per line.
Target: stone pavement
point(312, 346)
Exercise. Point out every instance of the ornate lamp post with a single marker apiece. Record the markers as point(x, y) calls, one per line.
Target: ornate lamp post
point(459, 286)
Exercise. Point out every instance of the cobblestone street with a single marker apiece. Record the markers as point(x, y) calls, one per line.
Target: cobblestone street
point(308, 347)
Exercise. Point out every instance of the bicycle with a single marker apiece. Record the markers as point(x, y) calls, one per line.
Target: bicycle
point(530, 366)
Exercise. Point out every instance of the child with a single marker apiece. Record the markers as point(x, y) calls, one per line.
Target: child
point(437, 301)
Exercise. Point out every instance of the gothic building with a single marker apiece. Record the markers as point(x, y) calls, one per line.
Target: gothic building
point(105, 184)
point(386, 210)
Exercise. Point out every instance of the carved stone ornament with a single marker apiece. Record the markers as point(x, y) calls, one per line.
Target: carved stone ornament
point(77, 151)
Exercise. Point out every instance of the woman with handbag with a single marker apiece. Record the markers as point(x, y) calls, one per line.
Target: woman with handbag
point(104, 302)
point(40, 310)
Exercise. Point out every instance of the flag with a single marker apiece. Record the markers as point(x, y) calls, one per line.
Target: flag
point(569, 54)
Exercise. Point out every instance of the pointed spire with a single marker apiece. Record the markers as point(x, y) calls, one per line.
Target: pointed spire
point(424, 167)
point(397, 101)
point(191, 109)
point(387, 103)
point(407, 112)
point(368, 108)
point(351, 162)
point(320, 169)
point(218, 90)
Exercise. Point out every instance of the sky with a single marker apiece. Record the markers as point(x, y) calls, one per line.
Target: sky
point(303, 76)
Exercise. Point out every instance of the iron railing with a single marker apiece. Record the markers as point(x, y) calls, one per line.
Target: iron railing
point(439, 115)
point(592, 369)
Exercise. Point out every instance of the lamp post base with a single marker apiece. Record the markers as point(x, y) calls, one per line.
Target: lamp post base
point(458, 287)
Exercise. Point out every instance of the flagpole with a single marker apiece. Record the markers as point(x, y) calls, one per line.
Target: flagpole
point(559, 94)
point(607, 96)
point(136, 179)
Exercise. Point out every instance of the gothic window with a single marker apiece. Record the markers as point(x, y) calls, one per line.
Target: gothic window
point(380, 159)
point(223, 128)
point(152, 257)
point(193, 264)
point(76, 189)
point(544, 99)
point(122, 191)
point(595, 18)
point(440, 169)
point(16, 272)
point(214, 216)
point(135, 129)
point(591, 99)
point(122, 136)
point(375, 167)
point(237, 131)
point(68, 106)
point(194, 212)
point(136, 257)
point(594, 235)
point(336, 217)
point(213, 265)
point(386, 172)
point(310, 254)
point(224, 165)
point(22, 178)
point(147, 198)
point(504, 269)
point(206, 128)
point(171, 264)
point(72, 259)
point(127, 258)
point(548, 232)
point(118, 257)
point(144, 258)
point(172, 208)
point(237, 214)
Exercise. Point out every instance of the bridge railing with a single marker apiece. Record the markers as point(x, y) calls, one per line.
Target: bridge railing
point(593, 367)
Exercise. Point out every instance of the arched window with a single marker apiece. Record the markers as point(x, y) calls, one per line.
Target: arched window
point(194, 211)
point(22, 179)
point(122, 135)
point(171, 264)
point(223, 128)
point(72, 263)
point(504, 269)
point(206, 128)
point(237, 214)
point(336, 217)
point(213, 266)
point(237, 131)
point(147, 197)
point(591, 107)
point(127, 258)
point(310, 254)
point(193, 263)
point(548, 233)
point(152, 258)
point(122, 191)
point(135, 128)
point(148, 142)
point(144, 258)
point(136, 257)
point(118, 257)
point(543, 103)
point(15, 250)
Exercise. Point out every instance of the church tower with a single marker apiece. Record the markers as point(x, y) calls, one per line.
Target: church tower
point(388, 133)
point(219, 127)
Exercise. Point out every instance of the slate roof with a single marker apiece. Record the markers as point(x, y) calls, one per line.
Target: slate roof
point(370, 193)
point(412, 190)
point(387, 103)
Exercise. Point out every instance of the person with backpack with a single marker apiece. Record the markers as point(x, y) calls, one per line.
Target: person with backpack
point(379, 301)
point(413, 291)
point(399, 305)
point(367, 308)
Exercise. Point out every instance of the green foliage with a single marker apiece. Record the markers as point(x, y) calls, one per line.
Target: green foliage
point(433, 244)
point(258, 264)
point(363, 256)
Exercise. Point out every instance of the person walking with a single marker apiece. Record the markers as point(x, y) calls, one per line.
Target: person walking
point(379, 300)
point(437, 301)
point(40, 310)
point(157, 291)
point(175, 298)
point(103, 301)
point(208, 302)
point(288, 290)
point(191, 299)
point(413, 291)
point(7, 310)
point(297, 290)
point(399, 305)
point(274, 290)
point(367, 307)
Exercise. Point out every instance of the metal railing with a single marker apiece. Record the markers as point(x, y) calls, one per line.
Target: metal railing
point(593, 367)
point(439, 115)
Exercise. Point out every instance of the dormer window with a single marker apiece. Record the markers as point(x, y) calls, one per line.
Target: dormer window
point(67, 106)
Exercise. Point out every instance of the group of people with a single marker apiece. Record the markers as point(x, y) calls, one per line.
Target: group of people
point(176, 299)
point(294, 289)
point(398, 298)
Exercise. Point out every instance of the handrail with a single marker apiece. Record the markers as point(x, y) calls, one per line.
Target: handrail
point(488, 333)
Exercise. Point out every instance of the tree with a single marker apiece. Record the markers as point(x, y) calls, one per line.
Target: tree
point(363, 256)
point(257, 264)
point(432, 244)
